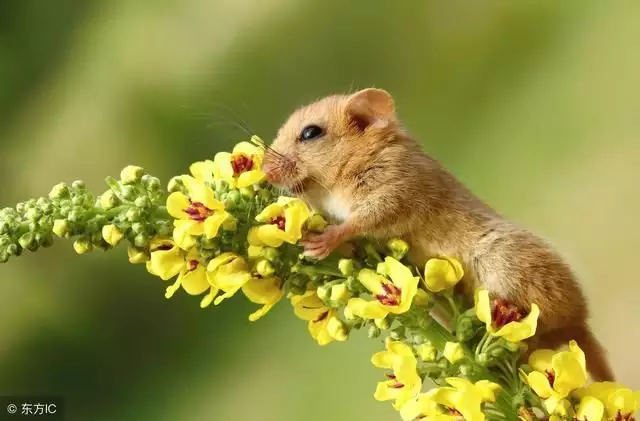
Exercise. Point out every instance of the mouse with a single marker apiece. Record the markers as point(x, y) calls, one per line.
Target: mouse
point(349, 157)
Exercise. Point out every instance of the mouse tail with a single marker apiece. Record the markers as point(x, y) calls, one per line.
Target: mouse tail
point(596, 356)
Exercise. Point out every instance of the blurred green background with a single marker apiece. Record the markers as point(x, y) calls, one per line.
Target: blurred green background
point(534, 104)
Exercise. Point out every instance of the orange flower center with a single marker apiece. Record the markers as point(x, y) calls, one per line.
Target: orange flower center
point(453, 411)
point(390, 295)
point(280, 222)
point(197, 211)
point(504, 312)
point(240, 164)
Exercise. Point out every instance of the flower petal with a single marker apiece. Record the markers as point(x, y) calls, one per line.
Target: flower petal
point(202, 171)
point(213, 223)
point(222, 168)
point(483, 306)
point(194, 282)
point(540, 384)
point(453, 352)
point(270, 212)
point(181, 235)
point(270, 235)
point(366, 309)
point(249, 178)
point(176, 204)
point(541, 359)
point(518, 331)
point(372, 281)
point(590, 409)
point(442, 273)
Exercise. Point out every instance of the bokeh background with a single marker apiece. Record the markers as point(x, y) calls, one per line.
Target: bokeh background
point(533, 104)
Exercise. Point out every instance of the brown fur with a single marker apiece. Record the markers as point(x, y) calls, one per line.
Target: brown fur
point(373, 179)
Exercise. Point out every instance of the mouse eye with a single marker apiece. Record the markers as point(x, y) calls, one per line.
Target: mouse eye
point(311, 132)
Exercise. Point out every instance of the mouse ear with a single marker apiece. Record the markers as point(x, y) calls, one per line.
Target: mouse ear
point(371, 107)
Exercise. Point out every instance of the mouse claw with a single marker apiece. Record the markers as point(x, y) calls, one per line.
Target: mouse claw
point(320, 246)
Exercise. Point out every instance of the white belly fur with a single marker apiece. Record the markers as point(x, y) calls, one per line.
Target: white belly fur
point(336, 208)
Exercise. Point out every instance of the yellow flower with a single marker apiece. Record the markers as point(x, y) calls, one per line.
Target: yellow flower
point(443, 273)
point(504, 319)
point(193, 279)
point(242, 167)
point(590, 409)
point(266, 291)
point(391, 296)
point(166, 259)
point(404, 383)
point(324, 324)
point(228, 272)
point(462, 400)
point(196, 214)
point(283, 222)
point(112, 234)
point(619, 402)
point(427, 352)
point(453, 352)
point(556, 374)
point(203, 171)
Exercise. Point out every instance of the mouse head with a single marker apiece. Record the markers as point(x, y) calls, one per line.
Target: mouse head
point(322, 140)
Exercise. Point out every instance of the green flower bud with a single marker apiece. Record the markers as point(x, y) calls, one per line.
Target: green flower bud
point(164, 228)
point(234, 196)
point(77, 201)
point(4, 227)
point(59, 191)
point(497, 352)
point(466, 370)
point(324, 292)
point(151, 183)
point(74, 216)
point(398, 248)
point(137, 255)
point(175, 184)
point(133, 215)
point(4, 257)
point(141, 241)
point(33, 214)
point(316, 223)
point(248, 192)
point(45, 240)
point(352, 283)
point(5, 241)
point(482, 359)
point(142, 202)
point(46, 208)
point(297, 289)
point(109, 200)
point(512, 346)
point(78, 185)
point(26, 240)
point(265, 268)
point(111, 234)
point(395, 335)
point(12, 250)
point(270, 253)
point(382, 268)
point(230, 224)
point(138, 228)
point(373, 332)
point(82, 246)
point(346, 266)
point(20, 207)
point(131, 174)
point(128, 192)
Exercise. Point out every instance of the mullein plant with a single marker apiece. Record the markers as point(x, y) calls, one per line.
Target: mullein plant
point(223, 231)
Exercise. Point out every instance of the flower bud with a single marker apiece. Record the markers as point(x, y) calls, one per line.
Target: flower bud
point(324, 292)
point(60, 227)
point(337, 329)
point(128, 192)
point(398, 248)
point(77, 201)
point(151, 183)
point(45, 240)
point(59, 191)
point(141, 241)
point(382, 268)
point(233, 196)
point(395, 335)
point(27, 240)
point(175, 184)
point(5, 241)
point(254, 252)
point(453, 352)
point(13, 250)
point(373, 332)
point(340, 294)
point(482, 359)
point(221, 186)
point(46, 208)
point(346, 266)
point(270, 253)
point(265, 268)
point(33, 214)
point(142, 202)
point(137, 255)
point(466, 370)
point(78, 185)
point(138, 227)
point(131, 174)
point(111, 234)
point(82, 246)
point(352, 283)
point(316, 223)
point(4, 257)
point(382, 323)
point(248, 192)
point(422, 298)
point(497, 352)
point(4, 227)
point(230, 224)
point(133, 215)
point(427, 352)
point(512, 346)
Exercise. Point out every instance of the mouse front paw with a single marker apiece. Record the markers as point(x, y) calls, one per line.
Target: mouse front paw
point(320, 246)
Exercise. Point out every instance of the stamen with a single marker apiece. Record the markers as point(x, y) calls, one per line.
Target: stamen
point(504, 312)
point(390, 296)
point(193, 265)
point(240, 164)
point(198, 212)
point(280, 221)
point(551, 376)
point(322, 316)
